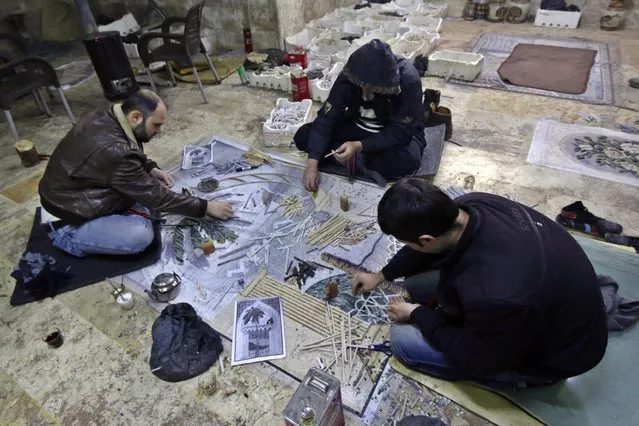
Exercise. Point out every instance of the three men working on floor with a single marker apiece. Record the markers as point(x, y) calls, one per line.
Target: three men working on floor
point(500, 293)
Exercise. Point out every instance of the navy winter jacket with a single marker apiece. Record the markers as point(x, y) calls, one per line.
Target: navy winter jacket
point(402, 115)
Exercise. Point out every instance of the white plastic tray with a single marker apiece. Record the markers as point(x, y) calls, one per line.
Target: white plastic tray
point(284, 137)
point(450, 64)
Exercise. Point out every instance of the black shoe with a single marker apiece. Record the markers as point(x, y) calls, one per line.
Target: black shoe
point(432, 98)
point(441, 115)
point(577, 216)
point(623, 240)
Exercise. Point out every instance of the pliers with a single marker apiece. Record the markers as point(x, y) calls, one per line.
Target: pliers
point(377, 347)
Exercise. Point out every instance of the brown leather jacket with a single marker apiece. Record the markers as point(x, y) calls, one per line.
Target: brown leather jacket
point(100, 169)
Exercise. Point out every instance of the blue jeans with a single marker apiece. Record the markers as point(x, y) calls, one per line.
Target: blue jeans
point(411, 349)
point(118, 234)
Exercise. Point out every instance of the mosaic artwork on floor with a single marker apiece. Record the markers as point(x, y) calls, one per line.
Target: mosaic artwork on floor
point(497, 47)
point(589, 151)
point(397, 397)
point(274, 245)
point(274, 218)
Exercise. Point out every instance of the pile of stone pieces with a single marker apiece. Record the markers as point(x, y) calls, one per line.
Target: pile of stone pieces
point(410, 27)
point(335, 36)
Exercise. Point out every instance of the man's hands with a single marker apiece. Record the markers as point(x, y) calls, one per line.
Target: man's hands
point(311, 175)
point(163, 177)
point(219, 210)
point(400, 311)
point(363, 283)
point(347, 150)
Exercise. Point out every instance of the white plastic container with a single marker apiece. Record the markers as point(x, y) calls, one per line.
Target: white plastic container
point(433, 10)
point(408, 49)
point(371, 35)
point(328, 46)
point(557, 18)
point(397, 28)
point(282, 136)
point(461, 65)
point(322, 87)
point(303, 39)
point(430, 24)
point(417, 34)
point(360, 27)
point(393, 7)
point(278, 78)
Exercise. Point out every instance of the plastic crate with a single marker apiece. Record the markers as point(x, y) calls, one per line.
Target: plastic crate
point(461, 65)
point(557, 18)
point(283, 137)
point(417, 34)
point(303, 39)
point(321, 88)
point(434, 10)
point(428, 23)
point(408, 49)
point(278, 78)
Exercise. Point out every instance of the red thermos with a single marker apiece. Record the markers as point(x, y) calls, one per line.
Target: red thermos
point(248, 41)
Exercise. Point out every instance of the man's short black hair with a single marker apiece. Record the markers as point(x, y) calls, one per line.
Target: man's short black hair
point(144, 101)
point(413, 207)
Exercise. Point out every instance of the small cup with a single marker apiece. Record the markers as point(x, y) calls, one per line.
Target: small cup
point(208, 384)
point(53, 338)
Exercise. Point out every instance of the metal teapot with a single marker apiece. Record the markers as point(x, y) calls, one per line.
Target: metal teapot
point(165, 287)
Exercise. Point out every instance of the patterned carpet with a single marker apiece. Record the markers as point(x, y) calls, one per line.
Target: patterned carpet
point(589, 151)
point(496, 47)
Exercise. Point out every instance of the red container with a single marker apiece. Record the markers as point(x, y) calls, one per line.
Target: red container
point(301, 89)
point(298, 57)
point(248, 41)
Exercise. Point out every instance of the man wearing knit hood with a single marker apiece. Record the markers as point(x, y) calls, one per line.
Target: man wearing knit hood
point(373, 118)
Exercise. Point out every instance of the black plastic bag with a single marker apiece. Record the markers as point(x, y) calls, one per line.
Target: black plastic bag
point(184, 346)
point(40, 274)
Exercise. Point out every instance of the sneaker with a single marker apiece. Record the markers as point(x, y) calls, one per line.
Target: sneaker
point(634, 82)
point(623, 240)
point(441, 115)
point(432, 98)
point(577, 216)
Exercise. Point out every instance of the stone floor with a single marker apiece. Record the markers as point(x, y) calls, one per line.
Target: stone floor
point(100, 376)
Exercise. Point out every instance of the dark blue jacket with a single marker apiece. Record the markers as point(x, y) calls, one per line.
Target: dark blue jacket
point(402, 115)
point(516, 293)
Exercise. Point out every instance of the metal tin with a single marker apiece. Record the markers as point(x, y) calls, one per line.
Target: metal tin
point(316, 402)
point(124, 298)
point(164, 287)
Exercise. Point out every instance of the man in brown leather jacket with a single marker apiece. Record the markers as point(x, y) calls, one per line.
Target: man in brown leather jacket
point(99, 173)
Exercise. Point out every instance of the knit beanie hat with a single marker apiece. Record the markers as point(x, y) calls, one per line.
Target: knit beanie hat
point(373, 66)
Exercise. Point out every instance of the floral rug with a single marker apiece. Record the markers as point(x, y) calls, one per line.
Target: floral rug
point(590, 151)
point(497, 47)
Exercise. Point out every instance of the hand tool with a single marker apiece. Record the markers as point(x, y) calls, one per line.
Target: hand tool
point(245, 168)
point(377, 347)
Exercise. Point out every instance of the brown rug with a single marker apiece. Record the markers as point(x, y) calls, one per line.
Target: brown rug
point(558, 69)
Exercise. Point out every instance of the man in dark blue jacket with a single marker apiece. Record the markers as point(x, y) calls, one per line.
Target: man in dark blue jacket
point(510, 298)
point(373, 118)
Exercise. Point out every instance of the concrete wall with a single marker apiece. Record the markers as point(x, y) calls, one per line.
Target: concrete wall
point(294, 14)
